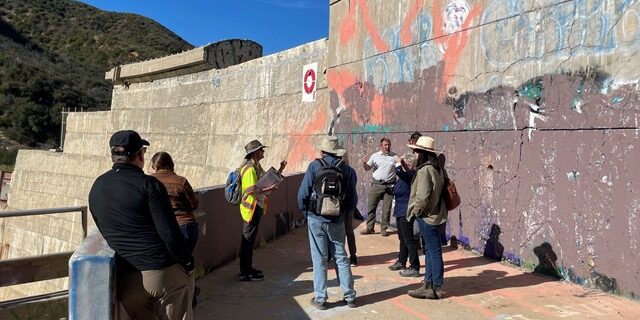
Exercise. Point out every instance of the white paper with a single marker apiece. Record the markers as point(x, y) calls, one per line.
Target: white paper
point(270, 179)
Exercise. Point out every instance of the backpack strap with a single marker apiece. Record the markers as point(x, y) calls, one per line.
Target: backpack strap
point(243, 169)
point(322, 162)
point(340, 162)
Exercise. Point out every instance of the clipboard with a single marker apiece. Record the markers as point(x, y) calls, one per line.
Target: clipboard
point(271, 178)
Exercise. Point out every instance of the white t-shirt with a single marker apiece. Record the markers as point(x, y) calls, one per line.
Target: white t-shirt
point(383, 166)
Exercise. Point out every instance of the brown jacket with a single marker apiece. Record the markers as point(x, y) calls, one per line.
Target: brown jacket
point(425, 201)
point(183, 199)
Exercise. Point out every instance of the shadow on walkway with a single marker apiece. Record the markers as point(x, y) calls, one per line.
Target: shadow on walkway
point(476, 287)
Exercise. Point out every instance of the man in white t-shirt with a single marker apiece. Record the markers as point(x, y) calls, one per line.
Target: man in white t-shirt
point(384, 177)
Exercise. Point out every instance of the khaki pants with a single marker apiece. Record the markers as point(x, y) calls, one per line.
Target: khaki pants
point(164, 294)
point(379, 192)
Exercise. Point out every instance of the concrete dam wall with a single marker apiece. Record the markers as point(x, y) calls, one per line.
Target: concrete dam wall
point(535, 104)
point(202, 119)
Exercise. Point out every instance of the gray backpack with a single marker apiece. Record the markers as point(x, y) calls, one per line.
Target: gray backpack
point(329, 189)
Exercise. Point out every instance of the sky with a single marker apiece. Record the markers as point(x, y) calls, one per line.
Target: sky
point(275, 24)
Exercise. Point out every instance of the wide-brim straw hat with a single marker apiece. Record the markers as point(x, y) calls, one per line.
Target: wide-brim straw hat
point(425, 143)
point(253, 146)
point(330, 144)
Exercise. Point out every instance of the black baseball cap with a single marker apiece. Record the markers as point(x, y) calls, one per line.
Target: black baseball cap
point(129, 140)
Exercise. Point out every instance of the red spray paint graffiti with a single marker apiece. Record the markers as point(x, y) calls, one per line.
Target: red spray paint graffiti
point(452, 44)
point(301, 147)
point(451, 33)
point(405, 32)
point(348, 27)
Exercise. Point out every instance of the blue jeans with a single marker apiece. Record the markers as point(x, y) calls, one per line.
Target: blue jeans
point(190, 233)
point(327, 239)
point(434, 269)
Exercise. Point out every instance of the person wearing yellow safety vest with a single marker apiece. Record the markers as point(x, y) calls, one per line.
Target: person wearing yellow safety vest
point(252, 206)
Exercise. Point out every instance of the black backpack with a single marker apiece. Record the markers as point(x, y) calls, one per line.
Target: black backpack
point(329, 189)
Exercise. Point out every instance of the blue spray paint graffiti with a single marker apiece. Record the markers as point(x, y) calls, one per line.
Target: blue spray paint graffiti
point(399, 65)
point(356, 133)
point(617, 99)
point(581, 27)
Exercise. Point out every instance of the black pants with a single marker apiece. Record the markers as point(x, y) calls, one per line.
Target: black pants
point(249, 234)
point(408, 246)
point(351, 237)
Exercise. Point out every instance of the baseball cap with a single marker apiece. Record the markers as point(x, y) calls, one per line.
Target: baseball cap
point(129, 140)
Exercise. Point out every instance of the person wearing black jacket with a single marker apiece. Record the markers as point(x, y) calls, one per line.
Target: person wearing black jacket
point(133, 212)
point(408, 245)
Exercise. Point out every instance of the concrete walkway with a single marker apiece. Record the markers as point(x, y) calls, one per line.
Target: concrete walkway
point(476, 288)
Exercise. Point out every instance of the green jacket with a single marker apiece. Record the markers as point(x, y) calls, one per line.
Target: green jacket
point(425, 201)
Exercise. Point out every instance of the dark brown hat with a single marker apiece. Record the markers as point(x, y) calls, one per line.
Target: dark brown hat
point(253, 146)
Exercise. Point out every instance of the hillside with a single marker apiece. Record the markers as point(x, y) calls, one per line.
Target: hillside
point(54, 54)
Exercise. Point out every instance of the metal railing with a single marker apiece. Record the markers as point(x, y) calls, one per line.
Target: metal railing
point(37, 268)
point(37, 212)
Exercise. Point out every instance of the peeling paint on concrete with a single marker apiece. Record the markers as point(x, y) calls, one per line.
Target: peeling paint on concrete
point(573, 176)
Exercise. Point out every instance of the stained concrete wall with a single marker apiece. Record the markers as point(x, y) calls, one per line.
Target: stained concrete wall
point(535, 103)
point(536, 106)
point(202, 119)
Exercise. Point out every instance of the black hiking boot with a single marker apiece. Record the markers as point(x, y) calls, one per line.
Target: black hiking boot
point(436, 293)
point(423, 292)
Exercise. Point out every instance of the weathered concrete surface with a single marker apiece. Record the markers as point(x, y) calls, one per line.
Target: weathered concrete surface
point(536, 104)
point(221, 225)
point(218, 55)
point(92, 280)
point(202, 119)
point(476, 288)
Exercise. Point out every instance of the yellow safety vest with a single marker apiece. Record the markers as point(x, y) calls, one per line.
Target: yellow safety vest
point(249, 177)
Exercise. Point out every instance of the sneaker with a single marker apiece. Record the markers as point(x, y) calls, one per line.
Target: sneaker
point(384, 233)
point(410, 272)
point(397, 266)
point(256, 272)
point(354, 261)
point(251, 277)
point(367, 231)
point(351, 304)
point(319, 305)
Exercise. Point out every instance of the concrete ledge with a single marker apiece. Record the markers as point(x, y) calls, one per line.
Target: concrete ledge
point(92, 292)
point(217, 55)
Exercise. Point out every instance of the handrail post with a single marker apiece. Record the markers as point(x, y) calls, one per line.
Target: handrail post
point(84, 222)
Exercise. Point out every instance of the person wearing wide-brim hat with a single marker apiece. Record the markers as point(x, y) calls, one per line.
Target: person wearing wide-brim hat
point(327, 230)
point(331, 145)
point(426, 205)
point(252, 206)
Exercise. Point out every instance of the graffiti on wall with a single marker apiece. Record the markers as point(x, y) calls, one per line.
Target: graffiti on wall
point(407, 83)
point(579, 28)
